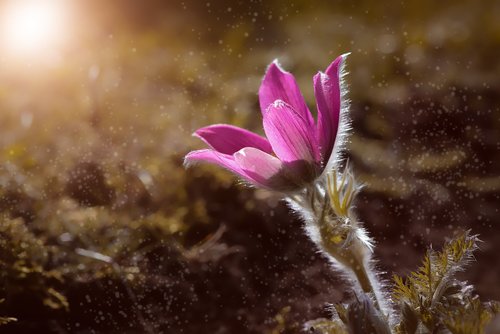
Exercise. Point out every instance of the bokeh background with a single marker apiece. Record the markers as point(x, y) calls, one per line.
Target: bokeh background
point(103, 231)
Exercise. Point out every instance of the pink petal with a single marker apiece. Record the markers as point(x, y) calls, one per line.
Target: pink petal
point(229, 139)
point(226, 161)
point(260, 166)
point(333, 69)
point(281, 85)
point(290, 135)
point(327, 93)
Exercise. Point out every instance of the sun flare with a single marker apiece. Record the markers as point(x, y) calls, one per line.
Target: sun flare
point(31, 25)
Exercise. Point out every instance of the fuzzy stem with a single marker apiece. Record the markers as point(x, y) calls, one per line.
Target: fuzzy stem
point(333, 228)
point(361, 272)
point(354, 259)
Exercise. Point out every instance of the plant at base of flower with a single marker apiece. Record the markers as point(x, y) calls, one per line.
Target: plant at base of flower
point(330, 222)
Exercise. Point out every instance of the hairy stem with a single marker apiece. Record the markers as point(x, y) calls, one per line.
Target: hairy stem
point(360, 270)
point(354, 258)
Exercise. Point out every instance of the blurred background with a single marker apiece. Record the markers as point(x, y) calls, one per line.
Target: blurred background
point(103, 231)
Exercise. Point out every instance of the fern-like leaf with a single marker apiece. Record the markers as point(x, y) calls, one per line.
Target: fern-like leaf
point(431, 299)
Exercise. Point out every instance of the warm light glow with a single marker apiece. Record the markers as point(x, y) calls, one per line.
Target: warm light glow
point(31, 25)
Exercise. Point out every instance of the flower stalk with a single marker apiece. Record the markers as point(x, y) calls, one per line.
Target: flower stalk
point(327, 209)
point(355, 258)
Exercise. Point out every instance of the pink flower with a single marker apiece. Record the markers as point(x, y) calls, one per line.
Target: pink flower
point(297, 150)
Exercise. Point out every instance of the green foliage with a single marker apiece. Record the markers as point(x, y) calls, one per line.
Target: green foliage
point(429, 300)
point(24, 260)
point(358, 317)
point(326, 326)
point(433, 300)
point(472, 317)
point(338, 324)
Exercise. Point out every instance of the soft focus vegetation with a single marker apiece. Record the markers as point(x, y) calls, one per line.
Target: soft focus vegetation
point(430, 300)
point(102, 229)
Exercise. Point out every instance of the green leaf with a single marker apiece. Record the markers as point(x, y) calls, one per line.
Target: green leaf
point(432, 299)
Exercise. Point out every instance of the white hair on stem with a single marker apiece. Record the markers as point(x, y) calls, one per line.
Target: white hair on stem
point(341, 238)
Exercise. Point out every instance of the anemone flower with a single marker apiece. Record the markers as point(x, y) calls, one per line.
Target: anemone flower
point(296, 150)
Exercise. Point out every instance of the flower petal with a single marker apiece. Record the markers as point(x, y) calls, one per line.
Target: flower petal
point(281, 85)
point(333, 69)
point(290, 135)
point(260, 166)
point(328, 100)
point(229, 139)
point(226, 161)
